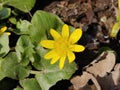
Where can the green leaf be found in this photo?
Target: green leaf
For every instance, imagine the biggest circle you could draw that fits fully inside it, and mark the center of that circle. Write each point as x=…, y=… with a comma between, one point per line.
x=24, y=50
x=23, y=5
x=22, y=72
x=18, y=88
x=4, y=44
x=37, y=63
x=1, y=72
x=13, y=20
x=51, y=74
x=9, y=67
x=30, y=84
x=4, y=13
x=42, y=22
x=23, y=27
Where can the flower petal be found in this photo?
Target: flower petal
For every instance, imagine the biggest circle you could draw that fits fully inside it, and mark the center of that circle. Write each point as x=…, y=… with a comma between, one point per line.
x=77, y=48
x=62, y=62
x=54, y=34
x=65, y=31
x=3, y=29
x=50, y=54
x=47, y=44
x=75, y=36
x=54, y=59
x=71, y=56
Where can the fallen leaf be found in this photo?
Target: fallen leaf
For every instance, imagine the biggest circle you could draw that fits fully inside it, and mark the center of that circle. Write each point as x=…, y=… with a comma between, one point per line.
x=97, y=72
x=80, y=82
x=102, y=65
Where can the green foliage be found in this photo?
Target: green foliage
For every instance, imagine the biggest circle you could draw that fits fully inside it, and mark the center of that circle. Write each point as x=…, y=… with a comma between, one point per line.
x=23, y=5
x=23, y=27
x=10, y=67
x=51, y=74
x=30, y=84
x=13, y=20
x=42, y=22
x=27, y=57
x=4, y=13
x=24, y=50
x=4, y=45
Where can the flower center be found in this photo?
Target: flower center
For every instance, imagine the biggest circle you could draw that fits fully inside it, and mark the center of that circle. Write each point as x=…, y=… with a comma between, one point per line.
x=61, y=46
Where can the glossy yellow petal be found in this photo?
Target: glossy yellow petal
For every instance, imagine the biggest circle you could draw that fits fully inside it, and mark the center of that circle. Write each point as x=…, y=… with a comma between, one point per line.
x=54, y=59
x=75, y=36
x=77, y=48
x=3, y=29
x=62, y=62
x=63, y=45
x=8, y=33
x=54, y=34
x=50, y=54
x=47, y=44
x=71, y=56
x=65, y=31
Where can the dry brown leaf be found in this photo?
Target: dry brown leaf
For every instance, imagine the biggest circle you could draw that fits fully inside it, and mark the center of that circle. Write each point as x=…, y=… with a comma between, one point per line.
x=98, y=74
x=103, y=66
x=80, y=82
x=116, y=76
x=111, y=81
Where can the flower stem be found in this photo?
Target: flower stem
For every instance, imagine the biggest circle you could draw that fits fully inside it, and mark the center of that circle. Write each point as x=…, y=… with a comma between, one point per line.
x=34, y=72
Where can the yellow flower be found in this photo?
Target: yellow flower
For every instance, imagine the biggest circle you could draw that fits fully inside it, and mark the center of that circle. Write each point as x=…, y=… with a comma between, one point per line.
x=63, y=45
x=3, y=29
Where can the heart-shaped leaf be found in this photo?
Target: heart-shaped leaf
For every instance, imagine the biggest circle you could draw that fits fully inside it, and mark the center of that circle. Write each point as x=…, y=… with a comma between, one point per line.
x=42, y=22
